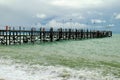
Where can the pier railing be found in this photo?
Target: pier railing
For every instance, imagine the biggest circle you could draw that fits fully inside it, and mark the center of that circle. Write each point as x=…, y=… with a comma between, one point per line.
x=11, y=36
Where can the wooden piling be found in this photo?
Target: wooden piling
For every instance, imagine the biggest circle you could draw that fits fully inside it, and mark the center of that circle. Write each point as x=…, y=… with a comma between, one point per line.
x=69, y=37
x=9, y=35
x=51, y=34
x=20, y=35
x=12, y=36
x=40, y=34
x=44, y=35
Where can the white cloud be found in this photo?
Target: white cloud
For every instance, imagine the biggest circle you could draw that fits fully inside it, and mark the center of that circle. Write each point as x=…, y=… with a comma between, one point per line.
x=4, y=2
x=55, y=24
x=110, y=25
x=97, y=21
x=48, y=5
x=74, y=25
x=21, y=12
x=77, y=16
x=117, y=16
x=82, y=4
x=77, y=3
x=95, y=13
x=41, y=16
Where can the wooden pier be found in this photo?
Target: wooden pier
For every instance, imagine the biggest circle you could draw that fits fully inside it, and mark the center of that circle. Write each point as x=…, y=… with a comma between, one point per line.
x=11, y=36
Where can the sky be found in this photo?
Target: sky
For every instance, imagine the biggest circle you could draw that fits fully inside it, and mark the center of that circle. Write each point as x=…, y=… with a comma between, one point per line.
x=91, y=14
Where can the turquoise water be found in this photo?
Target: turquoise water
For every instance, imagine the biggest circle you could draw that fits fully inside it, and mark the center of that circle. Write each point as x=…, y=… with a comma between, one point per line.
x=98, y=56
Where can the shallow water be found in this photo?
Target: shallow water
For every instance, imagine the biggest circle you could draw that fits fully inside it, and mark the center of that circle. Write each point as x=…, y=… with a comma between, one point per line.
x=13, y=71
x=93, y=59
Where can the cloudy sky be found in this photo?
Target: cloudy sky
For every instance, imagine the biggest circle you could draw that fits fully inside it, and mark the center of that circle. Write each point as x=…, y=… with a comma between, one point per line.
x=97, y=14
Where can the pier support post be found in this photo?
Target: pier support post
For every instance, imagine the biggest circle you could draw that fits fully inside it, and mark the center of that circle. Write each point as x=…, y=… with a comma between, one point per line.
x=51, y=34
x=20, y=34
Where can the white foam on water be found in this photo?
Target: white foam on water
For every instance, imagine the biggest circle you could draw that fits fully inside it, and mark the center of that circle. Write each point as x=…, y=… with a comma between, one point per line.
x=9, y=70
